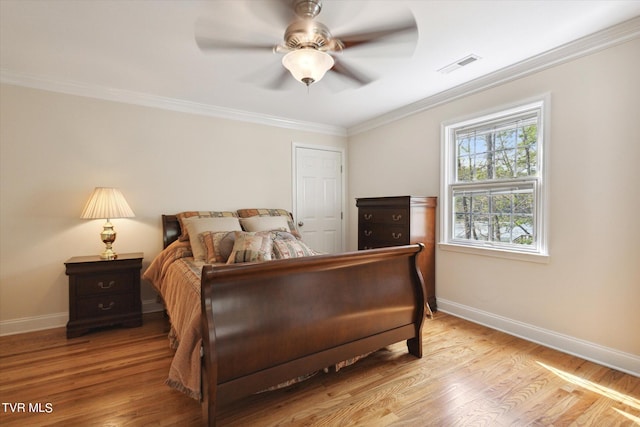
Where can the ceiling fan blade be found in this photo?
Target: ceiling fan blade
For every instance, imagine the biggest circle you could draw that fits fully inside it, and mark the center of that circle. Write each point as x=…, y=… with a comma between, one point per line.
x=351, y=73
x=279, y=82
x=207, y=44
x=278, y=12
x=407, y=28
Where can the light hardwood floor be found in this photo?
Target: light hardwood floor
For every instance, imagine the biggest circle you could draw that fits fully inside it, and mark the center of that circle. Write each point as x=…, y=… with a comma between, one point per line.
x=469, y=375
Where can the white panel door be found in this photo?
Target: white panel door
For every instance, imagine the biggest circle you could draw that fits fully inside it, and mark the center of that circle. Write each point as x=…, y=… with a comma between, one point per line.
x=318, y=195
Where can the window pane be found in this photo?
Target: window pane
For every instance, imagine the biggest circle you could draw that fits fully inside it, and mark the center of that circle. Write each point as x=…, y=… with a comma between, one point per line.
x=527, y=155
x=500, y=215
x=504, y=151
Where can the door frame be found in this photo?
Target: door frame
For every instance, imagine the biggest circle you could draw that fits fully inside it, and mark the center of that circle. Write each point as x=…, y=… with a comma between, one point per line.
x=294, y=183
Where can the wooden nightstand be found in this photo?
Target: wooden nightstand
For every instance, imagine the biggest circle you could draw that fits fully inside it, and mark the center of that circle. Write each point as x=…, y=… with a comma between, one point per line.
x=103, y=292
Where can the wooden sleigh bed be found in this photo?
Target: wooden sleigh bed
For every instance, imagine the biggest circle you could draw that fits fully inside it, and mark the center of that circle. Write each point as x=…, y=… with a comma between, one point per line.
x=262, y=324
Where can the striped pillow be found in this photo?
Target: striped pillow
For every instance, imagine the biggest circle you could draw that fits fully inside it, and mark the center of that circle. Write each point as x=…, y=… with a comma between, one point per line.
x=251, y=247
x=283, y=249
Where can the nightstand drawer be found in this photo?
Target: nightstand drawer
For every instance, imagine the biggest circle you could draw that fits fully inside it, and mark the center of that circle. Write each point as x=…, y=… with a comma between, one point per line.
x=103, y=283
x=106, y=305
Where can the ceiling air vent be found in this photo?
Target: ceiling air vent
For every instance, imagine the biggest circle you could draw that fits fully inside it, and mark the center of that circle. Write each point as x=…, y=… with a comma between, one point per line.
x=459, y=64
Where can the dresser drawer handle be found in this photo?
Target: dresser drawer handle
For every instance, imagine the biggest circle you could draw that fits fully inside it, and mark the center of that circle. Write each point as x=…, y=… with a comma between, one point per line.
x=396, y=235
x=101, y=285
x=396, y=217
x=368, y=233
x=368, y=216
x=367, y=247
x=109, y=307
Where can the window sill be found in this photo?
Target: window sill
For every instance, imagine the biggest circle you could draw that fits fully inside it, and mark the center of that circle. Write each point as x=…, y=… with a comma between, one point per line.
x=496, y=253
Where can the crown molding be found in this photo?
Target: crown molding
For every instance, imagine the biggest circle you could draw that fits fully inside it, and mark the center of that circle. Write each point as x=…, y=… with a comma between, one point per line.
x=584, y=46
x=154, y=101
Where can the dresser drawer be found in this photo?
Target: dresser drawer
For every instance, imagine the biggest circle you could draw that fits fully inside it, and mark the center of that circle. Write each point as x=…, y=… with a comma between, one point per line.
x=105, y=305
x=396, y=216
x=379, y=235
x=96, y=284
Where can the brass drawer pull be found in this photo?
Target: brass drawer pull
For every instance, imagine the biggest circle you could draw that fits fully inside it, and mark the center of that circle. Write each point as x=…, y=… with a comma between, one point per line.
x=396, y=235
x=103, y=308
x=101, y=285
x=368, y=216
x=368, y=233
x=396, y=217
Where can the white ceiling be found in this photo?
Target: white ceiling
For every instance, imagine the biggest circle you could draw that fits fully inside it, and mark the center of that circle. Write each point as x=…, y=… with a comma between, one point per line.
x=145, y=51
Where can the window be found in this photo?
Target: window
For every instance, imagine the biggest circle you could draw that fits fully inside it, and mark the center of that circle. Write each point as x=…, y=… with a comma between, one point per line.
x=493, y=186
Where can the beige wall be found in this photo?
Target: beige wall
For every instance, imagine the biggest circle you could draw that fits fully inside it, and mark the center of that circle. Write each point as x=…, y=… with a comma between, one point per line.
x=588, y=293
x=56, y=148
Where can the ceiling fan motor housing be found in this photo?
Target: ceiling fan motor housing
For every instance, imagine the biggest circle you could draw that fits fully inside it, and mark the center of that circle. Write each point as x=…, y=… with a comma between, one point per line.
x=307, y=9
x=308, y=34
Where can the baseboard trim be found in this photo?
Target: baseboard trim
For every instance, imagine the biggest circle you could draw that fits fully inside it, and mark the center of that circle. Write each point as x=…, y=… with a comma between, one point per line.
x=55, y=320
x=34, y=323
x=621, y=361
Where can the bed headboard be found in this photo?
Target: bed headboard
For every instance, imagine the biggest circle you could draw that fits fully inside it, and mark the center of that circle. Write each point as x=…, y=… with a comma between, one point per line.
x=170, y=229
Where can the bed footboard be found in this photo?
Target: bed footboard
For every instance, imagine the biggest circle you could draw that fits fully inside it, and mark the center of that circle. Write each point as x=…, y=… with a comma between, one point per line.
x=268, y=322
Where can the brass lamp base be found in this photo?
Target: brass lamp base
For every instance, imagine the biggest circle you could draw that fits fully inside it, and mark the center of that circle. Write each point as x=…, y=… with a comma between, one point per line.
x=108, y=254
x=108, y=236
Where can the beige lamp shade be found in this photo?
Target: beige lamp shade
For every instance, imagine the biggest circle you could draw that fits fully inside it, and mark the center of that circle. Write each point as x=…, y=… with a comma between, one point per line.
x=106, y=203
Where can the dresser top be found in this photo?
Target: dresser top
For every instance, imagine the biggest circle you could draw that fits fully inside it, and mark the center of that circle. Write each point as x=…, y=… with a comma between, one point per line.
x=397, y=201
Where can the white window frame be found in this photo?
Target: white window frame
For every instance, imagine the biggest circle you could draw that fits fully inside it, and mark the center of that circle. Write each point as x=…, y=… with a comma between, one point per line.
x=536, y=253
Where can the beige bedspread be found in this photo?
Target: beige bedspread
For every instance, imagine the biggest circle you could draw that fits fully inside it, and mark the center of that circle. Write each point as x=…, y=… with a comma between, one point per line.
x=176, y=277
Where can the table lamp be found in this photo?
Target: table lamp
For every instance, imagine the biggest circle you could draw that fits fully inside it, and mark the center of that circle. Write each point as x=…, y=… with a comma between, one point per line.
x=107, y=203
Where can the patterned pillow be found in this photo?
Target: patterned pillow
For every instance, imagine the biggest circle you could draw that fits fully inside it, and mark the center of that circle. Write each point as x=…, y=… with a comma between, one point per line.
x=287, y=248
x=248, y=213
x=251, y=247
x=219, y=245
x=265, y=223
x=199, y=214
x=282, y=235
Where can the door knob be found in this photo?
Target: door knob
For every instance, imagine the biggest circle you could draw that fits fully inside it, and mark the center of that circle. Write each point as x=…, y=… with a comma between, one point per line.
x=300, y=223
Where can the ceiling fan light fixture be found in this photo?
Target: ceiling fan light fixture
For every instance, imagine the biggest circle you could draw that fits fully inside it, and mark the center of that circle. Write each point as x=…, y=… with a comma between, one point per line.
x=307, y=65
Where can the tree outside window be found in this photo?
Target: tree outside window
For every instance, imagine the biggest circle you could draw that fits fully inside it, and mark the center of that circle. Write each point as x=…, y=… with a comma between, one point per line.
x=493, y=181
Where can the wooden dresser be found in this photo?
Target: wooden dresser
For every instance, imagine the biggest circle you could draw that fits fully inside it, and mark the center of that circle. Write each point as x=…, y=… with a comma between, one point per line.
x=103, y=292
x=402, y=220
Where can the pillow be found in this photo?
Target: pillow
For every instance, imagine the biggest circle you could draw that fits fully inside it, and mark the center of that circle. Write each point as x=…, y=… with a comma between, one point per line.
x=265, y=223
x=196, y=225
x=282, y=235
x=251, y=247
x=288, y=248
x=199, y=214
x=248, y=213
x=218, y=245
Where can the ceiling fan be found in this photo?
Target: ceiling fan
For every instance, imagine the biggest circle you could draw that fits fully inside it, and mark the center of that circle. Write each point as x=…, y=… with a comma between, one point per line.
x=310, y=49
